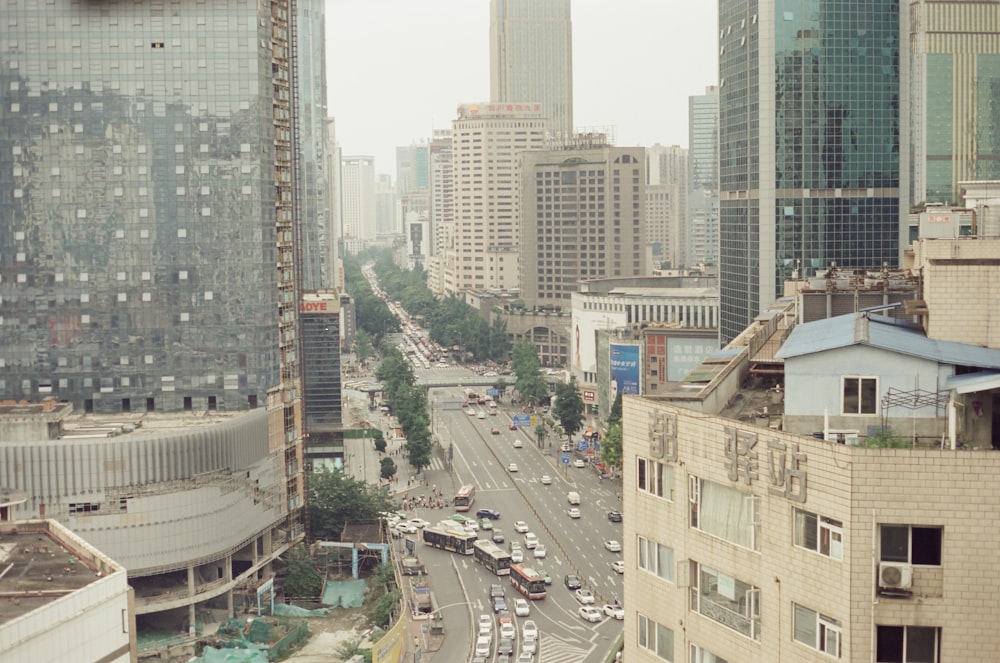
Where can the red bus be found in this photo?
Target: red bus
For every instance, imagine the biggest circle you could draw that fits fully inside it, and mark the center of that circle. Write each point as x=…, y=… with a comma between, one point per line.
x=527, y=581
x=465, y=497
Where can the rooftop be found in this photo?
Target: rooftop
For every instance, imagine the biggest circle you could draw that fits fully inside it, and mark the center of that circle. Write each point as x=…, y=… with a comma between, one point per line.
x=40, y=562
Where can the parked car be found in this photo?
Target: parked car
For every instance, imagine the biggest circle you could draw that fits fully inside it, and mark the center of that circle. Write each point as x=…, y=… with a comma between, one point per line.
x=613, y=546
x=572, y=582
x=584, y=596
x=579, y=462
x=615, y=611
x=615, y=516
x=590, y=613
x=488, y=513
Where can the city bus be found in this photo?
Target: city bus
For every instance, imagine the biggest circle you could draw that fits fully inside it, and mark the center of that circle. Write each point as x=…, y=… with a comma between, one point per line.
x=493, y=557
x=452, y=539
x=465, y=497
x=527, y=581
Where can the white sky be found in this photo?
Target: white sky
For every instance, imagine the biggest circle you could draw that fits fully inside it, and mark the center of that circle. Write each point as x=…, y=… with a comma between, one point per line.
x=397, y=69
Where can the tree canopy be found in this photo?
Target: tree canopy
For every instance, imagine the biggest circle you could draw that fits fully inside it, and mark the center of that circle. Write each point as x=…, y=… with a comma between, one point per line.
x=528, y=376
x=568, y=408
x=335, y=498
x=611, y=446
x=409, y=405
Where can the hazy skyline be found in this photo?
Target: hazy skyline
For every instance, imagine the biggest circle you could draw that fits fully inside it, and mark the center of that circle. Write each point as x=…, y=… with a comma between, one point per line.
x=397, y=69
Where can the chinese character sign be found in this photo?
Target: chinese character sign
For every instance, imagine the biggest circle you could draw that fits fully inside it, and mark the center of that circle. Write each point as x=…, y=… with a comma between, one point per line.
x=624, y=370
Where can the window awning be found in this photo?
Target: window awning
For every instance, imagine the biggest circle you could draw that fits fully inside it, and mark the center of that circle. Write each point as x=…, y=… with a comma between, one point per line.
x=971, y=382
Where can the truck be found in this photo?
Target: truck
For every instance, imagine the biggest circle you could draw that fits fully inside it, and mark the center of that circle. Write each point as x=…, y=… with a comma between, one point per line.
x=422, y=597
x=412, y=566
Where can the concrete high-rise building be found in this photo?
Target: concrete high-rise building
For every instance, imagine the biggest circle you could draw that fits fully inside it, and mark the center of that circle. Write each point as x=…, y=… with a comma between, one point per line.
x=582, y=214
x=954, y=77
x=486, y=141
x=531, y=58
x=702, y=236
x=812, y=133
x=666, y=174
x=334, y=229
x=386, y=206
x=442, y=206
x=357, y=178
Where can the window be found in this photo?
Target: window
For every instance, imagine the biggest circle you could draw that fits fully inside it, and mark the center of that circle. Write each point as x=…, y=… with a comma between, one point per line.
x=860, y=395
x=699, y=655
x=656, y=559
x=726, y=600
x=655, y=638
x=815, y=630
x=908, y=644
x=724, y=512
x=654, y=477
x=911, y=544
x=819, y=534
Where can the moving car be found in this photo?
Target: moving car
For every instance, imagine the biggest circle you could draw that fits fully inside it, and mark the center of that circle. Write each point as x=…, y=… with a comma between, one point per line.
x=573, y=512
x=545, y=576
x=521, y=608
x=471, y=412
x=613, y=546
x=504, y=618
x=483, y=645
x=530, y=540
x=419, y=523
x=615, y=516
x=539, y=551
x=512, y=427
x=520, y=526
x=496, y=590
x=488, y=513
x=498, y=535
x=485, y=523
x=499, y=603
x=507, y=630
x=588, y=612
x=494, y=431
x=512, y=467
x=565, y=448
x=546, y=480
x=584, y=596
x=572, y=582
x=618, y=565
x=518, y=444
x=506, y=647
x=579, y=462
x=481, y=415
x=485, y=625
x=529, y=631
x=516, y=554
x=405, y=528
x=525, y=657
x=615, y=611
x=529, y=647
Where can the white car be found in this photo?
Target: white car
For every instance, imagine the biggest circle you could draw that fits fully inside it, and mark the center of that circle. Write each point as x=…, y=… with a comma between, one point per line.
x=483, y=643
x=512, y=467
x=471, y=526
x=529, y=647
x=485, y=625
x=481, y=415
x=573, y=512
x=521, y=608
x=612, y=546
x=405, y=528
x=588, y=612
x=546, y=480
x=584, y=596
x=507, y=630
x=518, y=444
x=529, y=631
x=615, y=611
x=520, y=526
x=539, y=551
x=530, y=540
x=618, y=565
x=470, y=412
x=517, y=556
x=579, y=462
x=419, y=523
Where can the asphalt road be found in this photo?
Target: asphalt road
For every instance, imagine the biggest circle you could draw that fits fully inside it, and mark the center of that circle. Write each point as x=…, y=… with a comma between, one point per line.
x=573, y=545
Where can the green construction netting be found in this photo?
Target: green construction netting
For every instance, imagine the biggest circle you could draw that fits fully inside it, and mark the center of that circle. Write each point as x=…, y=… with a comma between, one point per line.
x=345, y=593
x=212, y=655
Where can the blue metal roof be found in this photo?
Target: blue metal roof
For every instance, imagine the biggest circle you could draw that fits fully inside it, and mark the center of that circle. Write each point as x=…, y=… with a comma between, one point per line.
x=879, y=332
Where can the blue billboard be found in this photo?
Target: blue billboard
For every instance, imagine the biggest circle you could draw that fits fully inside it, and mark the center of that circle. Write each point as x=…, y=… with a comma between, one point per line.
x=624, y=370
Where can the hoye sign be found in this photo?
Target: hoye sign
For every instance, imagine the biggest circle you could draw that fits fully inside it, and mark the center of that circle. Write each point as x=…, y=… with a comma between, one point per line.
x=314, y=306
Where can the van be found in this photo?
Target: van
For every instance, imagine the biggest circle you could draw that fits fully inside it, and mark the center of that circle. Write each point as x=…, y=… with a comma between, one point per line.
x=573, y=497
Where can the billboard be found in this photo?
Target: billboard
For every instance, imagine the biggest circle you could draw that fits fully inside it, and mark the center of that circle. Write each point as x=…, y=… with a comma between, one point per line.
x=686, y=354
x=624, y=369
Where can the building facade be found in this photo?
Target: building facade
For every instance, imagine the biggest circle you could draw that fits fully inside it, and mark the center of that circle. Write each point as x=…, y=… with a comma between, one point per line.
x=955, y=70
x=702, y=222
x=531, y=58
x=357, y=200
x=811, y=142
x=582, y=218
x=482, y=252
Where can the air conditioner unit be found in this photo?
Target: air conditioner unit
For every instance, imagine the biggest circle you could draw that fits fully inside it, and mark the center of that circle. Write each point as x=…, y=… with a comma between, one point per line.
x=895, y=575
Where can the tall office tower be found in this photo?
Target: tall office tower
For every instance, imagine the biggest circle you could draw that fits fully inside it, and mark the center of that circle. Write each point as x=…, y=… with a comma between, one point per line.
x=701, y=247
x=310, y=178
x=659, y=202
x=954, y=78
x=582, y=213
x=334, y=230
x=442, y=212
x=386, y=209
x=531, y=58
x=667, y=171
x=147, y=197
x=321, y=378
x=486, y=141
x=810, y=134
x=413, y=164
x=357, y=202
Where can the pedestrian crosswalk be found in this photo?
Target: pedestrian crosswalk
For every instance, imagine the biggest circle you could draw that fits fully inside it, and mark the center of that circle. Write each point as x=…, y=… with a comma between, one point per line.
x=436, y=464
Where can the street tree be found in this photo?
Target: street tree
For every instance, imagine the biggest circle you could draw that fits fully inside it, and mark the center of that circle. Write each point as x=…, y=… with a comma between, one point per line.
x=611, y=447
x=387, y=468
x=528, y=377
x=615, y=416
x=335, y=498
x=568, y=409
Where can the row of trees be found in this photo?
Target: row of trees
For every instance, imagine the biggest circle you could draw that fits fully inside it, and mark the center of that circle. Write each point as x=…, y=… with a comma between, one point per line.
x=409, y=405
x=450, y=321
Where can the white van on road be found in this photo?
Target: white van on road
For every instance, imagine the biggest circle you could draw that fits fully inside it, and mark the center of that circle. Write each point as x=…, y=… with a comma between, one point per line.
x=573, y=497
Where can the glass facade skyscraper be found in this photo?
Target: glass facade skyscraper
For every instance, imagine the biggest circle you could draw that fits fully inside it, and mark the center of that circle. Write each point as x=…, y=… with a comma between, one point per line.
x=137, y=196
x=810, y=129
